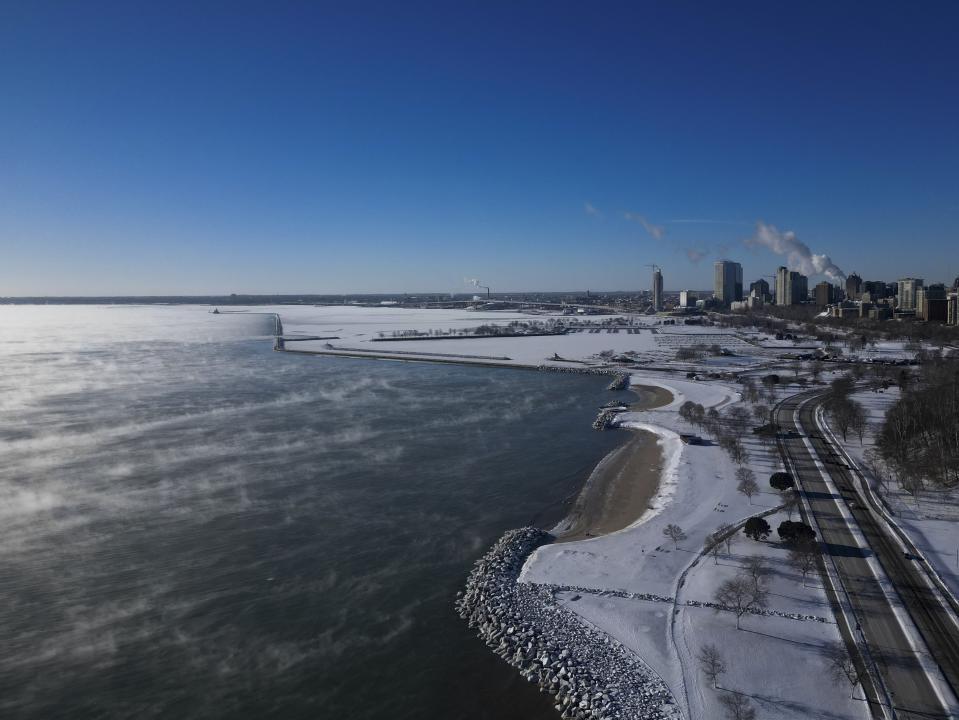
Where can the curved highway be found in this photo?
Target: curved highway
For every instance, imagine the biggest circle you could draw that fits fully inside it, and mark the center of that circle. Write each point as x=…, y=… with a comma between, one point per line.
x=851, y=535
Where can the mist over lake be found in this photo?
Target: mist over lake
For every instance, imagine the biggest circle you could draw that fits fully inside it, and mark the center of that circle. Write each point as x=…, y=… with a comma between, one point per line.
x=192, y=525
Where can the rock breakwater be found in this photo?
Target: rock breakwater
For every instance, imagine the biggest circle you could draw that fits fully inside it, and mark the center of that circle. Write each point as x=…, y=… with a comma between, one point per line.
x=589, y=674
x=620, y=382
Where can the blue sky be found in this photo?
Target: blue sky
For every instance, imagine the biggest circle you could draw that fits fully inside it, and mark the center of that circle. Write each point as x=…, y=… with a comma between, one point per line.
x=345, y=147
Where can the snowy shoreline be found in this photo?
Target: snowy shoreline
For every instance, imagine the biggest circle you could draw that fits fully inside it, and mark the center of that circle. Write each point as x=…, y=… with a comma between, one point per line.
x=589, y=674
x=628, y=598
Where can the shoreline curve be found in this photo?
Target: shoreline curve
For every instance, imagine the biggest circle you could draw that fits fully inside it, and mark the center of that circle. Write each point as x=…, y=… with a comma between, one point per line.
x=619, y=490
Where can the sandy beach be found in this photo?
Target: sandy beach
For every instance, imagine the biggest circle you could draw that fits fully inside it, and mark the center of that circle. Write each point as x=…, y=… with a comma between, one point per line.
x=622, y=485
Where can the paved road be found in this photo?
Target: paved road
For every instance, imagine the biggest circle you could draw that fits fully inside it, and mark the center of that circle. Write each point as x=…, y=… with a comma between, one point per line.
x=897, y=662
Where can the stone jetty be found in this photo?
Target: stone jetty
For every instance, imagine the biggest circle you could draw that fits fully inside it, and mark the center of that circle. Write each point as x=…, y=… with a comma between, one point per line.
x=620, y=382
x=589, y=674
x=606, y=419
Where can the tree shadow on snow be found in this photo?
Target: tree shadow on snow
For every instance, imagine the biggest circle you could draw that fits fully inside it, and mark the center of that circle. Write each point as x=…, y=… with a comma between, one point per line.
x=801, y=709
x=806, y=601
x=802, y=643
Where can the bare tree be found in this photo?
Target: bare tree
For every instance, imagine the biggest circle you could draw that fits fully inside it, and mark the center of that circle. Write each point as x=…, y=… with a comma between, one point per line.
x=741, y=595
x=841, y=666
x=737, y=707
x=713, y=545
x=791, y=501
x=711, y=422
x=760, y=413
x=738, y=420
x=859, y=424
x=803, y=557
x=711, y=661
x=755, y=566
x=816, y=370
x=674, y=533
x=728, y=535
x=873, y=462
x=840, y=412
x=745, y=473
x=738, y=453
x=747, y=484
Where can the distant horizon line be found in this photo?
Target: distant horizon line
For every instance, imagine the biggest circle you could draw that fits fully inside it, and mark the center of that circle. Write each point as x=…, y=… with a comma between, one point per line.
x=228, y=296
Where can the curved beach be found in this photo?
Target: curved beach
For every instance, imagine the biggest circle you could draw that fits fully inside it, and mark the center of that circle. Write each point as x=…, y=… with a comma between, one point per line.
x=621, y=486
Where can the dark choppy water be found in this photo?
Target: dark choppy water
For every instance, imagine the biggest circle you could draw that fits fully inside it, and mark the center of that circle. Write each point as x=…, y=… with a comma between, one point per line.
x=193, y=526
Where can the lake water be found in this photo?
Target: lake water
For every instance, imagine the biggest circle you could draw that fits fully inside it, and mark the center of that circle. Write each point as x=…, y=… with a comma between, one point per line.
x=194, y=526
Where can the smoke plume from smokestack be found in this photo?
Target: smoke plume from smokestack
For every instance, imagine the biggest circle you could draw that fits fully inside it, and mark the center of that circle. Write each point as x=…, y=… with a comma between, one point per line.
x=799, y=256
x=476, y=283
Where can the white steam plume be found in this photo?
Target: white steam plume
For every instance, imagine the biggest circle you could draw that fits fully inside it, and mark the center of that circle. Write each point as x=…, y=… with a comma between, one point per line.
x=799, y=256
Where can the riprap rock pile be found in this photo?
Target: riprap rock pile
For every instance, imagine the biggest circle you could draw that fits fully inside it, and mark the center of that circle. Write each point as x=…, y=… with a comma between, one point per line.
x=589, y=674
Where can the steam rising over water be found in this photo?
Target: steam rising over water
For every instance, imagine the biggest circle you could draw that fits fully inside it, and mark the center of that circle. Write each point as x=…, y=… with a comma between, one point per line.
x=194, y=526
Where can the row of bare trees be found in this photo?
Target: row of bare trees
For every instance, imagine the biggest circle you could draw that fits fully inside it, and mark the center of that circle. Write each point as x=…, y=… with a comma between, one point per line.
x=727, y=430
x=845, y=413
x=746, y=593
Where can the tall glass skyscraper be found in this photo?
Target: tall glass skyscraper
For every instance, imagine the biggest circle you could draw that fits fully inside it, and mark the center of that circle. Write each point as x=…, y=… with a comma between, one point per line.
x=728, y=281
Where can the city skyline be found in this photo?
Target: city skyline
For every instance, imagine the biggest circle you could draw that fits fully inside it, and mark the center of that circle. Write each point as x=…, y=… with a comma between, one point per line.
x=319, y=149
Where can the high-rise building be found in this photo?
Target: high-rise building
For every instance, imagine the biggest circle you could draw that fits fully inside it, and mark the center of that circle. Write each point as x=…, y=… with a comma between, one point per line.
x=932, y=304
x=657, y=289
x=759, y=289
x=782, y=285
x=687, y=299
x=727, y=281
x=875, y=288
x=825, y=294
x=799, y=285
x=907, y=292
x=952, y=308
x=792, y=287
x=853, y=287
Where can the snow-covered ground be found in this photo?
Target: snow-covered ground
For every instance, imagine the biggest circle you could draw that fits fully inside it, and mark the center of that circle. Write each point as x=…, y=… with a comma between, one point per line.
x=361, y=329
x=932, y=523
x=698, y=493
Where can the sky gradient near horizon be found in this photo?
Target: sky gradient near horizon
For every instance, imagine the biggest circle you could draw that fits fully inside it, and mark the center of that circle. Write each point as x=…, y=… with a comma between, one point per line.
x=182, y=148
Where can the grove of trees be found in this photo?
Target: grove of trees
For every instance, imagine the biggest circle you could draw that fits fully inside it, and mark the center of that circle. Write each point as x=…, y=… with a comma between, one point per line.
x=919, y=437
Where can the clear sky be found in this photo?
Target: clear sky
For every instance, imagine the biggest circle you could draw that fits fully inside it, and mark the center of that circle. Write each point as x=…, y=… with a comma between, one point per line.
x=400, y=146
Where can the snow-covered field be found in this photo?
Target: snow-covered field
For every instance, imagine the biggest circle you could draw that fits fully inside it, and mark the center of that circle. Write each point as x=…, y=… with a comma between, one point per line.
x=698, y=493
x=360, y=329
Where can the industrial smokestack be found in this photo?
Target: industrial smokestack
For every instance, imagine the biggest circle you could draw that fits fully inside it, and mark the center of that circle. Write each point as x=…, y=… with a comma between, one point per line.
x=476, y=283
